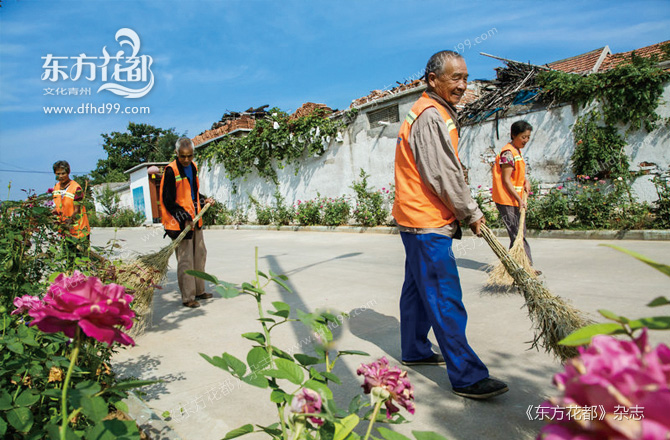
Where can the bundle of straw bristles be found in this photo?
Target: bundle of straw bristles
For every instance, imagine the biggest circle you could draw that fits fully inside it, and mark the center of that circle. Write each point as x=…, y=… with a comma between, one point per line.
x=552, y=317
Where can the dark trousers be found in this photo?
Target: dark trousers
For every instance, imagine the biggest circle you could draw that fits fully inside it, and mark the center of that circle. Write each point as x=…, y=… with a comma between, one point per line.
x=432, y=297
x=510, y=216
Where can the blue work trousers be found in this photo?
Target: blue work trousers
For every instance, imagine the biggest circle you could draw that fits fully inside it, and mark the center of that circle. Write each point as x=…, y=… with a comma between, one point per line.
x=432, y=297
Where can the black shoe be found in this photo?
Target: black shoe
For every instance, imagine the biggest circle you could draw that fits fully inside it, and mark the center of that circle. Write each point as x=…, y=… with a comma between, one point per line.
x=483, y=389
x=191, y=304
x=204, y=296
x=435, y=359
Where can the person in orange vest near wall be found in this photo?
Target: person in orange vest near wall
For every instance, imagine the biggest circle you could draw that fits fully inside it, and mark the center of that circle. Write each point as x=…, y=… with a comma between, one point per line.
x=68, y=199
x=509, y=183
x=180, y=203
x=432, y=197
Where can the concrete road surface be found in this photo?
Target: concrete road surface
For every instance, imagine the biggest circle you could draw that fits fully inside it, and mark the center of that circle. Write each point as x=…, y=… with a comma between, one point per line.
x=362, y=274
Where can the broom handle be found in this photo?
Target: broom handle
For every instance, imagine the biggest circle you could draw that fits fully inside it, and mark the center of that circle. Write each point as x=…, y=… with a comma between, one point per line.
x=188, y=227
x=522, y=219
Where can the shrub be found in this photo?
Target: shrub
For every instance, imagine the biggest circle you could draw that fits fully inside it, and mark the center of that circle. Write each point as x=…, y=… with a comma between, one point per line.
x=335, y=211
x=483, y=199
x=662, y=209
x=309, y=212
x=369, y=210
x=548, y=212
x=282, y=214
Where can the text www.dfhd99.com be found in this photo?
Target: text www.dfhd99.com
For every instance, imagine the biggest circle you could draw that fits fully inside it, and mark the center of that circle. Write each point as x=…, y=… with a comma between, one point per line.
x=91, y=109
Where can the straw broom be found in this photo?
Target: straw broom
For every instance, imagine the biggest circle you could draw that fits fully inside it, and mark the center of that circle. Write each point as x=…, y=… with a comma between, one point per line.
x=499, y=278
x=552, y=317
x=145, y=273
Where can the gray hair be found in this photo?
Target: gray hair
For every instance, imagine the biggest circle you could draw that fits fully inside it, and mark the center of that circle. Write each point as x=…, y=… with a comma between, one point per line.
x=437, y=63
x=183, y=142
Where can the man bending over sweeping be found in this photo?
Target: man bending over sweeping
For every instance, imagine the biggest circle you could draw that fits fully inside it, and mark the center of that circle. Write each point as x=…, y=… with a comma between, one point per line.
x=180, y=203
x=432, y=196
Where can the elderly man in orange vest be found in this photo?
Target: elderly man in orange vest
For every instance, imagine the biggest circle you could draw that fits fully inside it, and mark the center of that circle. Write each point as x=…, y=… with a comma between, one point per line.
x=180, y=203
x=432, y=197
x=69, y=202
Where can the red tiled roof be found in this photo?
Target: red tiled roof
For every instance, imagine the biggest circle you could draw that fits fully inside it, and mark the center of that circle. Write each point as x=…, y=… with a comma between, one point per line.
x=613, y=60
x=377, y=94
x=247, y=122
x=308, y=108
x=244, y=121
x=584, y=63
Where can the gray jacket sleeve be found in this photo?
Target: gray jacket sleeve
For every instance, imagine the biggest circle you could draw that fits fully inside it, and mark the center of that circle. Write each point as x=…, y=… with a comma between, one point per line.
x=439, y=166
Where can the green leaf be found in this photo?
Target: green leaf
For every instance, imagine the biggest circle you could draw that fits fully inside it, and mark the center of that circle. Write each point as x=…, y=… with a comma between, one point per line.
x=306, y=360
x=281, y=353
x=663, y=268
x=3, y=426
x=258, y=359
x=279, y=305
x=5, y=401
x=262, y=274
x=16, y=347
x=272, y=430
x=113, y=429
x=584, y=335
x=279, y=396
x=357, y=403
x=94, y=408
x=256, y=379
x=331, y=377
x=238, y=367
x=20, y=418
x=242, y=430
x=250, y=288
x=122, y=406
x=612, y=316
x=319, y=387
x=27, y=398
x=390, y=435
x=345, y=426
x=130, y=384
x=313, y=374
x=660, y=301
x=282, y=284
x=88, y=387
x=352, y=352
x=266, y=320
x=427, y=435
x=653, y=323
x=255, y=336
x=216, y=361
x=205, y=276
x=294, y=372
x=227, y=291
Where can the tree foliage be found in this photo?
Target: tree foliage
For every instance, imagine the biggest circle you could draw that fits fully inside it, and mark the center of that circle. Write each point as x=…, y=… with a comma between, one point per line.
x=140, y=143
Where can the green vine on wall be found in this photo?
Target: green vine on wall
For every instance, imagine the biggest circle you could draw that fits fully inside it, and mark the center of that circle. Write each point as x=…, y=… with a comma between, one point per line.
x=275, y=141
x=629, y=93
x=599, y=150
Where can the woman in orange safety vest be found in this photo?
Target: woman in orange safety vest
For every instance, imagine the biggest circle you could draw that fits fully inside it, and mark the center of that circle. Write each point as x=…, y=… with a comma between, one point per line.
x=509, y=181
x=68, y=202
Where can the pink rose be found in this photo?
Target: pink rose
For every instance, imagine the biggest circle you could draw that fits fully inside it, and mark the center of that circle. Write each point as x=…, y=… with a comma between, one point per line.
x=627, y=380
x=87, y=303
x=559, y=187
x=50, y=191
x=392, y=380
x=307, y=401
x=25, y=303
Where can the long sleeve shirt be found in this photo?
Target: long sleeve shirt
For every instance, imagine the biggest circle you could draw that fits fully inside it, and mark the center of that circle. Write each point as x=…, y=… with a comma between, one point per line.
x=440, y=169
x=170, y=200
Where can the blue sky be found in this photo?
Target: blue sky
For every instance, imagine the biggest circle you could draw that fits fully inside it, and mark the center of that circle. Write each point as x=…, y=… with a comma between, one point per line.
x=210, y=57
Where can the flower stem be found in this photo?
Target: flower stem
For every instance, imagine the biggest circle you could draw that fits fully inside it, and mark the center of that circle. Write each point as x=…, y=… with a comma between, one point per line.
x=66, y=384
x=373, y=418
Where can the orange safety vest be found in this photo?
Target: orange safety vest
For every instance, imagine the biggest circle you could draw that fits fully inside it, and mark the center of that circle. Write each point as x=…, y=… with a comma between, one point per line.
x=500, y=194
x=183, y=199
x=415, y=205
x=64, y=204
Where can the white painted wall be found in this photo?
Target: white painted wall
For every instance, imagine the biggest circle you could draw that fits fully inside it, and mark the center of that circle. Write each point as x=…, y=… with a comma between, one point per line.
x=140, y=179
x=547, y=154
